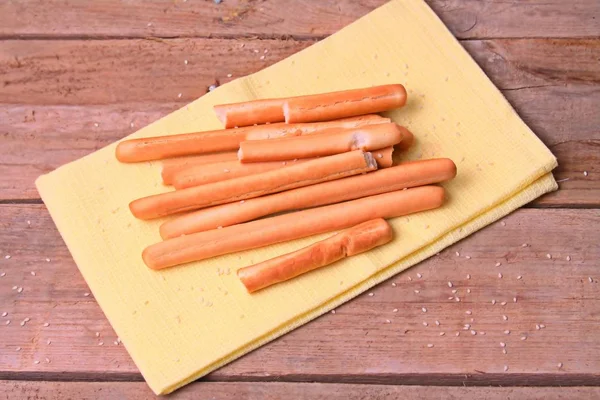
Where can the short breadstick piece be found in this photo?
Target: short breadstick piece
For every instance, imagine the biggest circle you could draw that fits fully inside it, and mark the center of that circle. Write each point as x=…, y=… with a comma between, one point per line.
x=173, y=166
x=160, y=147
x=406, y=175
x=304, y=174
x=366, y=138
x=250, y=112
x=281, y=228
x=358, y=239
x=330, y=106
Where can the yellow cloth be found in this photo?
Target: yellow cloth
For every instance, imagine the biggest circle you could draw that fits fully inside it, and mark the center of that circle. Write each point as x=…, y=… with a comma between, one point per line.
x=181, y=323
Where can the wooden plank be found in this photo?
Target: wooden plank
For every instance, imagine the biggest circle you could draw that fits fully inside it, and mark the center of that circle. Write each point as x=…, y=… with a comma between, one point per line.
x=51, y=100
x=280, y=390
x=277, y=18
x=356, y=344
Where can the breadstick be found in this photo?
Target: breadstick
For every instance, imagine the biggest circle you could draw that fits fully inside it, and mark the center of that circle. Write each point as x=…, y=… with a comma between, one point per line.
x=305, y=174
x=281, y=228
x=335, y=141
x=160, y=147
x=330, y=106
x=250, y=112
x=203, y=174
x=358, y=239
x=174, y=166
x=407, y=175
x=384, y=157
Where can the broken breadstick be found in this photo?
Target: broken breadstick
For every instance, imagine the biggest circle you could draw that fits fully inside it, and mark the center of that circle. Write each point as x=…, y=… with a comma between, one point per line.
x=160, y=147
x=174, y=166
x=281, y=228
x=330, y=106
x=305, y=174
x=335, y=141
x=358, y=239
x=250, y=112
x=407, y=175
x=208, y=173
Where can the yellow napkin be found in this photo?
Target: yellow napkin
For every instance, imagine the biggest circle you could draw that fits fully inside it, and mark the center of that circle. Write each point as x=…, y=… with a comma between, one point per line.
x=181, y=323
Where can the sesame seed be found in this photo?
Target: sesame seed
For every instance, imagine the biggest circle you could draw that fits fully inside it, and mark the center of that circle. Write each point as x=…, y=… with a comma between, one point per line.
x=393, y=284
x=7, y=257
x=46, y=324
x=523, y=337
x=503, y=223
x=498, y=264
x=36, y=362
x=131, y=125
x=23, y=323
x=454, y=291
x=262, y=57
x=32, y=273
x=419, y=276
x=47, y=360
x=116, y=343
x=537, y=326
x=3, y=274
x=48, y=342
x=451, y=298
x=468, y=312
x=504, y=351
x=505, y=368
x=568, y=258
x=450, y=284
x=457, y=298
x=473, y=332
x=86, y=294
x=519, y=277
x=437, y=322
x=424, y=309
x=18, y=349
x=502, y=344
x=504, y=317
x=96, y=124
x=457, y=254
x=20, y=289
x=542, y=326
x=395, y=310
x=457, y=334
x=15, y=287
x=185, y=62
x=97, y=334
x=493, y=301
x=7, y=322
x=500, y=275
x=442, y=333
x=430, y=345
x=425, y=324
x=548, y=256
x=4, y=314
x=590, y=279
x=387, y=321
x=225, y=170
x=100, y=343
x=371, y=294
x=179, y=95
x=149, y=24
x=481, y=332
x=467, y=327
x=468, y=276
x=333, y=311
x=468, y=290
x=27, y=319
x=468, y=257
x=229, y=75
x=47, y=260
x=524, y=245
x=417, y=291
x=409, y=278
x=212, y=87
x=585, y=173
x=503, y=303
x=559, y=365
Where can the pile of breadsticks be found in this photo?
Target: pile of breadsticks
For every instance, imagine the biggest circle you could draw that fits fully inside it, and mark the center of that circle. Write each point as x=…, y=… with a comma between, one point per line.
x=322, y=163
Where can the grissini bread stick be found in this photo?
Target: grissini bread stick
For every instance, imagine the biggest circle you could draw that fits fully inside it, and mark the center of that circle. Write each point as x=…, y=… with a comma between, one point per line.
x=250, y=112
x=203, y=174
x=305, y=174
x=208, y=173
x=160, y=147
x=408, y=175
x=358, y=239
x=335, y=141
x=330, y=106
x=173, y=166
x=407, y=140
x=281, y=228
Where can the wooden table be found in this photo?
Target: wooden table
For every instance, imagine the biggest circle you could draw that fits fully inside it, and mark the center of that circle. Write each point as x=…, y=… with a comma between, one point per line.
x=77, y=75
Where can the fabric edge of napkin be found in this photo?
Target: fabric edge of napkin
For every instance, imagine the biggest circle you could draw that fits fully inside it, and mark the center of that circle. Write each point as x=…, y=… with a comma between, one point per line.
x=543, y=185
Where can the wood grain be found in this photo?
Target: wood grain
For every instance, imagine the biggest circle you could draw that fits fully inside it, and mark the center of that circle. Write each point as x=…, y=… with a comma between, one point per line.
x=281, y=390
x=55, y=92
x=356, y=344
x=277, y=18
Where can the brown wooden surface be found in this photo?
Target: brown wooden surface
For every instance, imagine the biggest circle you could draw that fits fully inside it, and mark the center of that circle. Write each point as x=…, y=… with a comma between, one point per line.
x=276, y=391
x=355, y=344
x=78, y=75
x=56, y=91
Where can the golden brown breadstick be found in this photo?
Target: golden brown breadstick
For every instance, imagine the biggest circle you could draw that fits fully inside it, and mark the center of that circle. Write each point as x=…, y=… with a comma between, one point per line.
x=281, y=228
x=330, y=106
x=160, y=147
x=250, y=112
x=358, y=239
x=173, y=166
x=305, y=174
x=366, y=138
x=384, y=157
x=203, y=174
x=407, y=175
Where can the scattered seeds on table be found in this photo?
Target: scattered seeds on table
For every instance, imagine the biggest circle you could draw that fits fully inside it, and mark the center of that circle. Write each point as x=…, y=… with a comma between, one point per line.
x=229, y=75
x=100, y=343
x=537, y=326
x=590, y=279
x=395, y=310
x=437, y=322
x=507, y=332
x=514, y=299
x=468, y=290
x=500, y=275
x=86, y=294
x=46, y=324
x=504, y=317
x=559, y=365
x=493, y=301
x=47, y=360
x=36, y=362
x=468, y=276
x=473, y=332
x=20, y=290
x=18, y=349
x=523, y=337
x=32, y=273
x=585, y=173
x=424, y=309
x=524, y=245
x=7, y=256
x=425, y=323
x=505, y=368
x=503, y=303
x=502, y=344
x=457, y=298
x=520, y=277
x=457, y=334
x=542, y=326
x=393, y=284
x=97, y=334
x=568, y=258
x=481, y=332
x=417, y=291
x=454, y=291
x=419, y=276
x=2, y=274
x=457, y=254
x=504, y=351
x=371, y=294
x=4, y=314
x=333, y=311
x=7, y=322
x=498, y=264
x=442, y=333
x=549, y=256
x=450, y=284
x=387, y=321
x=468, y=312
x=430, y=345
x=409, y=278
